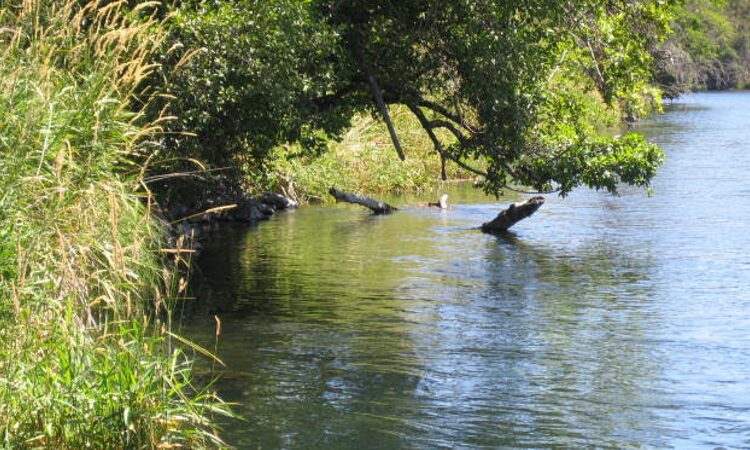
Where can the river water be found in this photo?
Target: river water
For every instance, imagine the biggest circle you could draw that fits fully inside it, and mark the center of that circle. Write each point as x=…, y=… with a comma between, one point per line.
x=601, y=321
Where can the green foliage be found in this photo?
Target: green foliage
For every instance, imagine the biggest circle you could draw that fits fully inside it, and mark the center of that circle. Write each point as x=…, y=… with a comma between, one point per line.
x=709, y=49
x=499, y=78
x=84, y=360
x=256, y=75
x=363, y=161
x=599, y=163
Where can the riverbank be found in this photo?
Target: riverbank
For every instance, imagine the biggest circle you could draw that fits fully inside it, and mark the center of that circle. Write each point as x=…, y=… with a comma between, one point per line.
x=88, y=357
x=364, y=161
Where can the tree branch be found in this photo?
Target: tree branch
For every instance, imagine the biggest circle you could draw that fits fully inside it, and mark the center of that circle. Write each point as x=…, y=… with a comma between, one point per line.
x=428, y=126
x=447, y=114
x=452, y=128
x=435, y=141
x=377, y=94
x=375, y=206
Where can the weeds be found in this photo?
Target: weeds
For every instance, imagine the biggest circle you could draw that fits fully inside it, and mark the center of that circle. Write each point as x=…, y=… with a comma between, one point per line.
x=85, y=356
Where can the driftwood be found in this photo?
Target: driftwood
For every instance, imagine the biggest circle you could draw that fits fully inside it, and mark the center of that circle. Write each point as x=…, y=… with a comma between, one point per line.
x=374, y=205
x=513, y=214
x=442, y=202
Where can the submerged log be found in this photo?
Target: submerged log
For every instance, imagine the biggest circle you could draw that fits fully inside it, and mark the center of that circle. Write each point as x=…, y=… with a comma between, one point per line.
x=513, y=214
x=442, y=202
x=374, y=205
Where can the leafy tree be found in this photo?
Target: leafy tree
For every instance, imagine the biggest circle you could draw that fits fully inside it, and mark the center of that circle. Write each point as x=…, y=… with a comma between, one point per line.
x=257, y=76
x=508, y=84
x=709, y=48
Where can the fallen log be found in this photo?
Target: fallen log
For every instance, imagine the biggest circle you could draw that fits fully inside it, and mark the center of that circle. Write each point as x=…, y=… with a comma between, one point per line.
x=513, y=214
x=374, y=205
x=442, y=202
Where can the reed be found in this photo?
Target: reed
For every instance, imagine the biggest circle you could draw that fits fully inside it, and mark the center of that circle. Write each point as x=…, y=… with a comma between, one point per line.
x=86, y=352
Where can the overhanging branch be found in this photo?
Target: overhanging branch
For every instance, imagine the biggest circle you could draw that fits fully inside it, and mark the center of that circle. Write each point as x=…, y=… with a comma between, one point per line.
x=435, y=141
x=443, y=111
x=428, y=127
x=452, y=128
x=377, y=94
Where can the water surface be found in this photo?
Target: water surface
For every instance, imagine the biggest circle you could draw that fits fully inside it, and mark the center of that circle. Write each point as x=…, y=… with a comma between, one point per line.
x=601, y=321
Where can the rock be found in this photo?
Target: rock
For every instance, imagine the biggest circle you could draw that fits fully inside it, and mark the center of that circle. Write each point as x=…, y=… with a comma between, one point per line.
x=195, y=221
x=265, y=209
x=277, y=201
x=251, y=210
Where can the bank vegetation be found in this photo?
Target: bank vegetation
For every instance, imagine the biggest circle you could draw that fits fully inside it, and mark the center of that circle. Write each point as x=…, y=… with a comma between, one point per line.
x=116, y=114
x=88, y=358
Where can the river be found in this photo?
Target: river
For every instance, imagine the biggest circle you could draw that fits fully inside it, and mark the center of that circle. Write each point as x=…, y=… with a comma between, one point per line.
x=605, y=321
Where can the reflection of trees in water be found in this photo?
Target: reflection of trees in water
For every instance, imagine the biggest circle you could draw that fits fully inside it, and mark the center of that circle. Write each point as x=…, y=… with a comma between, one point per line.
x=356, y=329
x=321, y=263
x=314, y=327
x=583, y=316
x=534, y=345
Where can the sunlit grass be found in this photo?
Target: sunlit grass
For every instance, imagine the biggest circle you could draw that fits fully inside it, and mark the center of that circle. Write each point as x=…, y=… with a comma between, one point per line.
x=365, y=161
x=86, y=359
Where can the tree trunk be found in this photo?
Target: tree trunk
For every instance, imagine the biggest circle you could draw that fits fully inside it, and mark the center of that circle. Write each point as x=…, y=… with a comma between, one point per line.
x=515, y=213
x=374, y=205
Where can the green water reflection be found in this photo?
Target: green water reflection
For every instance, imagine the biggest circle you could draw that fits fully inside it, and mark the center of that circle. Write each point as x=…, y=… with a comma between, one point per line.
x=602, y=321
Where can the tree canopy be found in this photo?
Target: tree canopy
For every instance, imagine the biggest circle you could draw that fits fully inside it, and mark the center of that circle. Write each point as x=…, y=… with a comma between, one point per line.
x=709, y=48
x=508, y=90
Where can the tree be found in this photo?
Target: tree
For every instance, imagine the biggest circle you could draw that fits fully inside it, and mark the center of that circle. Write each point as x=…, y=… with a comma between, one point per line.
x=709, y=49
x=514, y=85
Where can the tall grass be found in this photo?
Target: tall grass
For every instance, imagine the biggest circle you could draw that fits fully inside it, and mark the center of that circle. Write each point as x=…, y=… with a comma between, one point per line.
x=86, y=358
